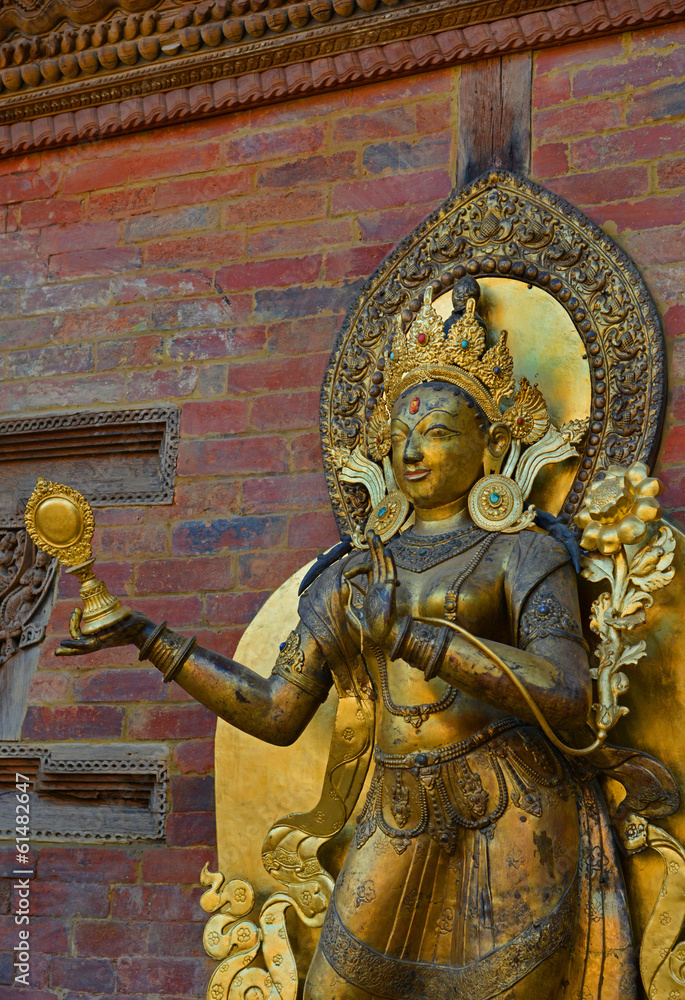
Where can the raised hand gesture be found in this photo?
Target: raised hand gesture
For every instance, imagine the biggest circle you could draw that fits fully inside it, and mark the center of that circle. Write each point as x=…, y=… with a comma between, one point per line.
x=379, y=610
x=123, y=633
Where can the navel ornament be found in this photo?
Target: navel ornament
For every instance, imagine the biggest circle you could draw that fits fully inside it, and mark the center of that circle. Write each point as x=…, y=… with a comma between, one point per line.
x=60, y=521
x=388, y=516
x=496, y=504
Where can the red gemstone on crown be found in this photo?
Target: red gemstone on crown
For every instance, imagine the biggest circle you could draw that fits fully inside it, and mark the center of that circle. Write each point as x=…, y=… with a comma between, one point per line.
x=520, y=421
x=421, y=338
x=414, y=405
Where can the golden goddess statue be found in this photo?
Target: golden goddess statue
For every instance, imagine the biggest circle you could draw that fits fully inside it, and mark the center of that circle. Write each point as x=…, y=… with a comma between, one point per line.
x=482, y=864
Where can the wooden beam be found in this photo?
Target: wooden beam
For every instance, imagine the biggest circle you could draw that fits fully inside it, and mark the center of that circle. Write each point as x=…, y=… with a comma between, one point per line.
x=494, y=116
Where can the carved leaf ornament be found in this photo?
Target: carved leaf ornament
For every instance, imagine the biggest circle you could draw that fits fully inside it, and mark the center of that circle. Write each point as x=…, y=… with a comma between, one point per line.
x=503, y=225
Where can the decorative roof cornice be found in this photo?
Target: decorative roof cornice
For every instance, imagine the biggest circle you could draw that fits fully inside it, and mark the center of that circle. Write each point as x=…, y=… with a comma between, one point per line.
x=145, y=69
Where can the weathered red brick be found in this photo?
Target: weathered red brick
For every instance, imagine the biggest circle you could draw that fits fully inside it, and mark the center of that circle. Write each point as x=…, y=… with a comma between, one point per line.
x=277, y=374
x=93, y=263
x=22, y=273
x=121, y=542
x=374, y=125
x=72, y=722
x=69, y=899
x=232, y=456
x=671, y=173
x=674, y=444
x=19, y=246
x=259, y=570
x=190, y=249
x=67, y=359
x=285, y=493
x=233, y=342
x=308, y=171
x=220, y=417
x=394, y=223
x=178, y=976
x=20, y=164
x=299, y=238
x=29, y=186
x=53, y=393
x=355, y=261
x=588, y=118
x=68, y=297
x=163, y=285
x=84, y=236
x=674, y=321
x=187, y=219
x=275, y=207
x=227, y=184
x=53, y=212
x=122, y=203
x=191, y=830
x=169, y=576
x=25, y=333
x=601, y=185
x=387, y=192
x=180, y=611
x=49, y=687
x=635, y=71
x=233, y=609
x=285, y=411
x=48, y=935
x=162, y=383
x=274, y=142
x=628, y=145
x=194, y=756
x=657, y=246
x=120, y=686
x=203, y=499
x=222, y=641
x=175, y=867
x=551, y=88
x=95, y=975
x=12, y=398
x=645, y=213
x=170, y=722
x=550, y=159
x=272, y=273
x=304, y=336
x=230, y=534
x=306, y=452
x=133, y=352
x=87, y=864
x=109, y=938
x=311, y=531
x=180, y=938
x=579, y=53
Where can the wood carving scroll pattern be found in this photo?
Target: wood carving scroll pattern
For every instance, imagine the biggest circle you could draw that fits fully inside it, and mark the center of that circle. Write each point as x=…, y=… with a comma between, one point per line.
x=503, y=224
x=326, y=59
x=26, y=576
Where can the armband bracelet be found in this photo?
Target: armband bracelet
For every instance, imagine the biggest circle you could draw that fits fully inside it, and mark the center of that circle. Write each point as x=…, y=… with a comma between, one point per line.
x=424, y=647
x=167, y=650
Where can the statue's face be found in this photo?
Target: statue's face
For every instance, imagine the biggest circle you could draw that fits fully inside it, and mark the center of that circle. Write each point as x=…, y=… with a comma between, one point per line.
x=437, y=445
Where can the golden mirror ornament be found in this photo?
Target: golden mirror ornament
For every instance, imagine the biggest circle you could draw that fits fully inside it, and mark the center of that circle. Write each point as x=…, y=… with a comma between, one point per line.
x=60, y=521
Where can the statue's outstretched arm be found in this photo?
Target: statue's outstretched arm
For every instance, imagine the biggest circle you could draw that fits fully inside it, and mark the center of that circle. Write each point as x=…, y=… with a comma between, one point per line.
x=275, y=709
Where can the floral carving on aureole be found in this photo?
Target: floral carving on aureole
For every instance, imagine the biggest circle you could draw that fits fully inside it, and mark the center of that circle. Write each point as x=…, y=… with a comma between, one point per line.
x=504, y=225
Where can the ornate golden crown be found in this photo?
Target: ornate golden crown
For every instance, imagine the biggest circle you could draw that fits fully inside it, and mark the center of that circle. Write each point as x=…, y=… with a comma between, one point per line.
x=425, y=353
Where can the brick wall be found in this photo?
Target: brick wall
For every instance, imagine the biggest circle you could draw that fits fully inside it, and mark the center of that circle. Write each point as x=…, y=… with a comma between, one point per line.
x=609, y=135
x=210, y=265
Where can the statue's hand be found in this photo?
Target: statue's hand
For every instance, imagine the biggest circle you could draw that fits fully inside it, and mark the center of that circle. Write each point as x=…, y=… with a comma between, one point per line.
x=122, y=633
x=379, y=610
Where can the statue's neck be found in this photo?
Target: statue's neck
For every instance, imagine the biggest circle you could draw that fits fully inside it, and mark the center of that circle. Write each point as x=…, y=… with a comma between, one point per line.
x=438, y=520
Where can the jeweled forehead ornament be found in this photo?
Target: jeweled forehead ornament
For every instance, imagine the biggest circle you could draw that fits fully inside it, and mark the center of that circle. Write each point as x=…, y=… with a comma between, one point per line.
x=425, y=353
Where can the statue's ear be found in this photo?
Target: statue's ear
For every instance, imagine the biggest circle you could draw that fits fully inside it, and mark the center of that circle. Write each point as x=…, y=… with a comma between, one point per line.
x=499, y=439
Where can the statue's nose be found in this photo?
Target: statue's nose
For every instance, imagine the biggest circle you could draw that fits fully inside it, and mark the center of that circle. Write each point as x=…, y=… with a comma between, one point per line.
x=412, y=450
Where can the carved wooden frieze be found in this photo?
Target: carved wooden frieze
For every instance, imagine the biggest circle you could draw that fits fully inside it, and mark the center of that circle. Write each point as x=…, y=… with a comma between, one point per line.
x=26, y=578
x=72, y=71
x=87, y=792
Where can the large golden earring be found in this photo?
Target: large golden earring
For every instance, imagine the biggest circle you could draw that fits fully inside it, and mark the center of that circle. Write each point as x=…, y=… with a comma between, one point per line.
x=388, y=516
x=496, y=503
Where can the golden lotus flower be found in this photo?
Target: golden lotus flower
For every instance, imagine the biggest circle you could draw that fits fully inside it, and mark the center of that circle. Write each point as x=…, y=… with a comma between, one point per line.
x=618, y=508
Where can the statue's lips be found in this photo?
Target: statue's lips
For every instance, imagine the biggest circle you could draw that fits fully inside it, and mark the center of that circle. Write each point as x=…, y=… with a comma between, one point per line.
x=417, y=474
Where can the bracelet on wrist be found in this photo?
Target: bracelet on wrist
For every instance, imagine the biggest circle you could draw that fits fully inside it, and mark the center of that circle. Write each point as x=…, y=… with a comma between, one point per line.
x=167, y=650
